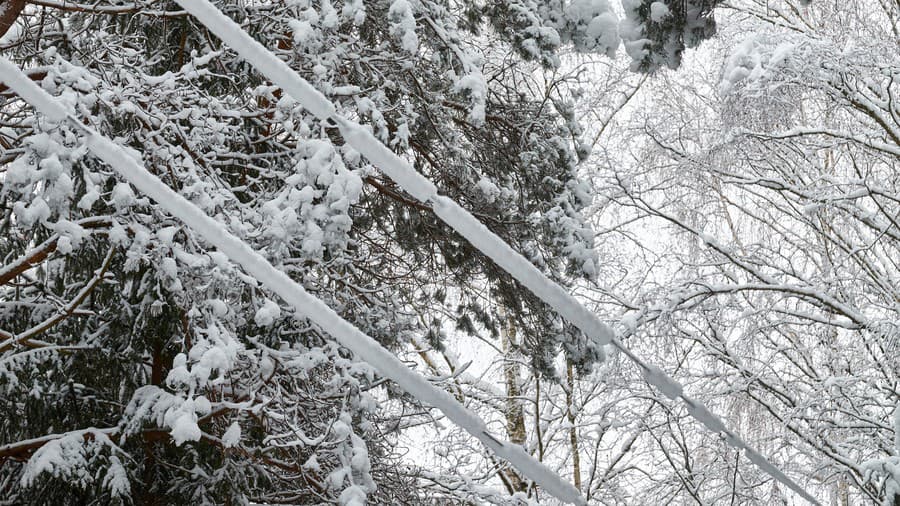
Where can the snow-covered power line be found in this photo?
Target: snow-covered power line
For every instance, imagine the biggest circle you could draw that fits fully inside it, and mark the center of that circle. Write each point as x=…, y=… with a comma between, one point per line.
x=462, y=221
x=293, y=293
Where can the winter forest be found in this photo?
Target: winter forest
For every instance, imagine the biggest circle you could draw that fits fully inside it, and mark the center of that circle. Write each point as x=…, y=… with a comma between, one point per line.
x=450, y=252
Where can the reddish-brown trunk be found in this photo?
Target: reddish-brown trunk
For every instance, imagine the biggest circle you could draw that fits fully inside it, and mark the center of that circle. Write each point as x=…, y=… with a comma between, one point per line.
x=9, y=12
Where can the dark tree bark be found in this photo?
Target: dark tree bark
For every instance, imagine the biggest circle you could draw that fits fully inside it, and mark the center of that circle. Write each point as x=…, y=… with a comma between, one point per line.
x=9, y=11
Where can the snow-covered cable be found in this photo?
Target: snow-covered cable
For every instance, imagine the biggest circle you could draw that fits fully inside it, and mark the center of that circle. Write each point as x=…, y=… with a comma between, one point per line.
x=293, y=293
x=257, y=55
x=463, y=222
x=30, y=92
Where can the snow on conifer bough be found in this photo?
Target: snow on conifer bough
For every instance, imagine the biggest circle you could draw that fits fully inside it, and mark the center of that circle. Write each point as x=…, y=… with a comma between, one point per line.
x=308, y=305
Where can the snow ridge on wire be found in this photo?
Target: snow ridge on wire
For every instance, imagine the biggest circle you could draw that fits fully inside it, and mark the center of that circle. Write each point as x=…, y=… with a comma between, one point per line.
x=293, y=293
x=463, y=222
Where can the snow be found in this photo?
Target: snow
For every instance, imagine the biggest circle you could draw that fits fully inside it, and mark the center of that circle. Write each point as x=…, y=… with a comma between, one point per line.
x=781, y=52
x=312, y=464
x=753, y=59
x=116, y=479
x=56, y=456
x=353, y=495
x=356, y=10
x=604, y=31
x=218, y=307
x=590, y=25
x=490, y=190
x=184, y=427
x=90, y=197
x=36, y=212
x=64, y=245
x=704, y=416
x=51, y=168
x=658, y=11
x=302, y=31
x=267, y=314
x=123, y=196
x=474, y=85
x=266, y=367
x=169, y=268
x=403, y=25
x=583, y=10
x=340, y=430
x=232, y=436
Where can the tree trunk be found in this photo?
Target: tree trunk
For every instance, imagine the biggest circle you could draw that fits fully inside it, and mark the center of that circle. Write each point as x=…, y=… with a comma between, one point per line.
x=9, y=12
x=515, y=414
x=573, y=430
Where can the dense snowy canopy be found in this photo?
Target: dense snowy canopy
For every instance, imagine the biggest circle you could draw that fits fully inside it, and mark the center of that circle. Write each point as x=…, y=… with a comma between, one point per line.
x=167, y=337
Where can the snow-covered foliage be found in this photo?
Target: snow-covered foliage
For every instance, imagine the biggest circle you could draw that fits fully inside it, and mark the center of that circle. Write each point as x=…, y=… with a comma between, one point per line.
x=75, y=458
x=656, y=33
x=750, y=200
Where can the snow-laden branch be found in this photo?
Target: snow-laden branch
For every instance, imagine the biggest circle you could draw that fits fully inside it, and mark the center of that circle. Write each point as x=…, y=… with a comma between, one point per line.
x=132, y=8
x=27, y=446
x=469, y=227
x=27, y=338
x=40, y=252
x=293, y=293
